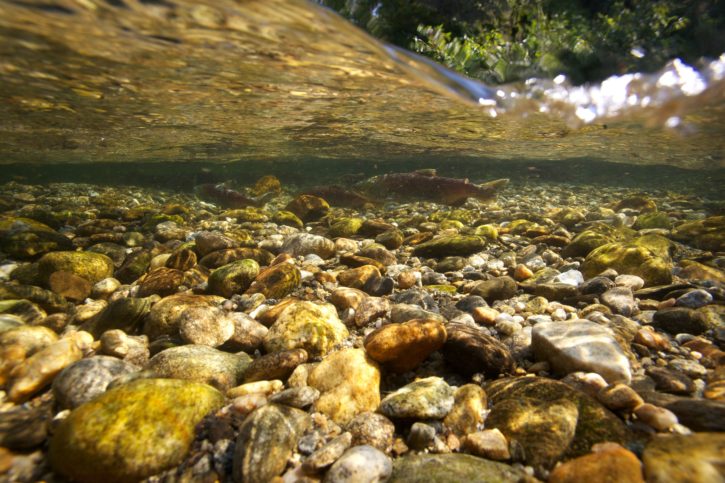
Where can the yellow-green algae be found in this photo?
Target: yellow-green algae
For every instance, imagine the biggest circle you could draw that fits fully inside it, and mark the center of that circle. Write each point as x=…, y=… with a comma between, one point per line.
x=131, y=432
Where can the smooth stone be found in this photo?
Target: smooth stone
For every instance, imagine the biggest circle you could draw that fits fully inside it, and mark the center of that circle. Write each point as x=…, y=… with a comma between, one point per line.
x=266, y=440
x=93, y=267
x=500, y=288
x=660, y=419
x=83, y=380
x=402, y=312
x=301, y=244
x=470, y=350
x=39, y=370
x=276, y=281
x=184, y=259
x=164, y=317
x=670, y=381
x=132, y=349
x=580, y=346
x=206, y=242
x=201, y=363
x=328, y=454
x=126, y=314
x=306, y=325
x=208, y=326
x=452, y=468
x=95, y=442
x=490, y=444
x=161, y=281
x=372, y=429
x=677, y=320
x=611, y=462
x=358, y=277
x=223, y=257
x=69, y=285
x=429, y=398
x=360, y=464
x=620, y=300
x=248, y=334
x=421, y=436
x=19, y=343
x=444, y=246
x=696, y=414
x=370, y=310
x=277, y=365
x=349, y=383
x=619, y=397
x=233, y=278
x=296, y=397
x=696, y=458
x=570, y=277
x=648, y=262
x=308, y=207
x=402, y=347
x=25, y=427
x=469, y=406
x=347, y=298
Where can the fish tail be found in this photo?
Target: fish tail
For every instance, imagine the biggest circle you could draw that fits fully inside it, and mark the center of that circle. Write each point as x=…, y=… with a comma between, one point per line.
x=489, y=189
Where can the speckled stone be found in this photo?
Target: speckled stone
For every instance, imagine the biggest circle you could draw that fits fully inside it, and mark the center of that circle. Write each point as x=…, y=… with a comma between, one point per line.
x=233, y=278
x=265, y=442
x=301, y=244
x=349, y=382
x=468, y=411
x=88, y=265
x=328, y=454
x=164, y=317
x=208, y=326
x=95, y=444
x=372, y=429
x=429, y=398
x=277, y=281
x=696, y=457
x=315, y=328
x=469, y=350
x=277, y=365
x=360, y=464
x=83, y=380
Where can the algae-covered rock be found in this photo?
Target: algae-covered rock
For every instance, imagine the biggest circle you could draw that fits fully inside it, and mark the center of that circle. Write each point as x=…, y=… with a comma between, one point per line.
x=345, y=227
x=134, y=266
x=452, y=468
x=201, y=364
x=277, y=281
x=27, y=238
x=126, y=314
x=450, y=245
x=656, y=219
x=266, y=184
x=308, y=207
x=132, y=431
x=233, y=278
x=349, y=383
x=287, y=218
x=266, y=441
x=708, y=234
x=677, y=457
x=165, y=315
x=585, y=242
x=218, y=258
x=306, y=325
x=91, y=266
x=301, y=244
x=632, y=259
x=429, y=398
x=469, y=407
x=489, y=232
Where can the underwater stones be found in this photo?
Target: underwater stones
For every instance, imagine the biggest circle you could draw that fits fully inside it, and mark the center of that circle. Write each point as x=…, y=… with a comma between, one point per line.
x=656, y=219
x=277, y=365
x=83, y=380
x=206, y=242
x=372, y=429
x=499, y=288
x=125, y=314
x=37, y=371
x=161, y=281
x=345, y=227
x=358, y=277
x=675, y=457
x=95, y=444
x=580, y=346
x=402, y=347
x=208, y=326
x=25, y=427
x=620, y=300
x=490, y=444
x=450, y=245
x=132, y=349
x=266, y=440
x=360, y=464
x=134, y=266
x=313, y=327
x=69, y=285
x=308, y=207
x=632, y=259
x=707, y=234
x=610, y=459
x=378, y=253
x=301, y=244
x=277, y=281
x=594, y=423
x=429, y=398
x=201, y=364
x=693, y=270
x=694, y=299
x=676, y=320
x=184, y=259
x=390, y=239
x=451, y=468
x=91, y=266
x=287, y=218
x=468, y=410
x=220, y=258
x=328, y=454
x=296, y=397
x=164, y=316
x=585, y=242
x=27, y=238
x=349, y=383
x=233, y=278
x=266, y=184
x=470, y=350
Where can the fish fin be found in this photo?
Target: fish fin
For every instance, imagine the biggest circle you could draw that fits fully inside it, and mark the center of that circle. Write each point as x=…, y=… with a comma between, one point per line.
x=431, y=172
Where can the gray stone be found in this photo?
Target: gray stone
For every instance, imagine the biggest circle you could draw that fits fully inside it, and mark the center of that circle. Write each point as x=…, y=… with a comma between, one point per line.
x=83, y=380
x=301, y=244
x=620, y=300
x=452, y=468
x=429, y=398
x=694, y=299
x=360, y=464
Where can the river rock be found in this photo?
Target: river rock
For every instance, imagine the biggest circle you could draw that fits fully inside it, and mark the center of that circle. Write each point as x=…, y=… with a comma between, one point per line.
x=620, y=300
x=349, y=383
x=206, y=242
x=296, y=397
x=301, y=244
x=308, y=207
x=313, y=327
x=233, y=278
x=470, y=350
x=164, y=317
x=429, y=398
x=451, y=468
x=126, y=314
x=132, y=349
x=201, y=363
x=674, y=457
x=468, y=411
x=88, y=265
x=83, y=380
x=402, y=347
x=277, y=281
x=450, y=245
x=490, y=444
x=328, y=454
x=360, y=464
x=266, y=440
x=670, y=381
x=161, y=281
x=69, y=285
x=277, y=365
x=19, y=343
x=95, y=444
x=208, y=326
x=654, y=268
x=248, y=334
x=500, y=288
x=617, y=463
x=580, y=346
x=358, y=277
x=372, y=429
x=677, y=320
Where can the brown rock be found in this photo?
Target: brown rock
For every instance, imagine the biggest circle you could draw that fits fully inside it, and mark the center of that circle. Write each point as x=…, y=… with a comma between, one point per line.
x=278, y=365
x=470, y=350
x=308, y=207
x=357, y=277
x=162, y=281
x=69, y=285
x=402, y=347
x=490, y=444
x=608, y=462
x=468, y=411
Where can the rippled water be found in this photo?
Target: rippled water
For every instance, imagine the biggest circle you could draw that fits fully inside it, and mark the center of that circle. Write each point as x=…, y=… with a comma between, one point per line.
x=162, y=80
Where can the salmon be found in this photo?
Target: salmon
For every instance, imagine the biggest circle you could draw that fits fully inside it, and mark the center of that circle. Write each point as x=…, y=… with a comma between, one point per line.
x=229, y=198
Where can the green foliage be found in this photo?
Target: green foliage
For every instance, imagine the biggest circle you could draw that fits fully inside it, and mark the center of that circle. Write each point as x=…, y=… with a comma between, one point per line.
x=500, y=41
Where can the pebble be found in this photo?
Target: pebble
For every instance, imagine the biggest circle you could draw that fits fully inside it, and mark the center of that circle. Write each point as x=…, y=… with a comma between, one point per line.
x=658, y=418
x=610, y=459
x=620, y=300
x=429, y=398
x=469, y=409
x=328, y=454
x=372, y=429
x=360, y=464
x=297, y=397
x=470, y=350
x=694, y=299
x=421, y=436
x=302, y=244
x=316, y=328
x=402, y=347
x=490, y=444
x=208, y=326
x=620, y=397
x=277, y=365
x=83, y=380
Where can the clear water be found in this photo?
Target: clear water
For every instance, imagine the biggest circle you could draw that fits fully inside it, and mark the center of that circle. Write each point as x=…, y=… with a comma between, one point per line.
x=120, y=81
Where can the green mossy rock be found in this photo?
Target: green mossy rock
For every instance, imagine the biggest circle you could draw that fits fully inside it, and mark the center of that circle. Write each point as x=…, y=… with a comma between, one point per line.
x=132, y=431
x=452, y=468
x=27, y=238
x=489, y=232
x=631, y=259
x=707, y=234
x=308, y=207
x=451, y=225
x=134, y=266
x=315, y=328
x=450, y=245
x=247, y=215
x=569, y=217
x=233, y=278
x=595, y=236
x=287, y=218
x=345, y=227
x=657, y=219
x=91, y=266
x=277, y=281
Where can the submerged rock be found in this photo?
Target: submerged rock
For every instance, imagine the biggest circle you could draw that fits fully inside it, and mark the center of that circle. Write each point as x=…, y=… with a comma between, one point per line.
x=695, y=457
x=82, y=381
x=93, y=267
x=233, y=278
x=358, y=464
x=451, y=468
x=402, y=347
x=450, y=245
x=651, y=264
x=429, y=398
x=315, y=328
